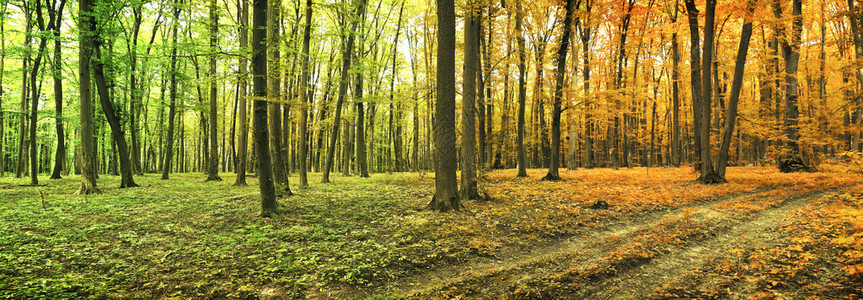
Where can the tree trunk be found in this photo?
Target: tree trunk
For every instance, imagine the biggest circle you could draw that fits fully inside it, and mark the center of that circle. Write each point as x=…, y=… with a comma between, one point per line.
x=269, y=206
x=22, y=118
x=343, y=89
x=553, y=174
x=588, y=122
x=791, y=159
x=60, y=155
x=243, y=139
x=2, y=91
x=304, y=97
x=695, y=78
x=274, y=96
x=468, y=105
x=446, y=185
x=522, y=92
x=675, y=93
x=736, y=85
x=213, y=163
x=172, y=106
x=34, y=96
x=88, y=149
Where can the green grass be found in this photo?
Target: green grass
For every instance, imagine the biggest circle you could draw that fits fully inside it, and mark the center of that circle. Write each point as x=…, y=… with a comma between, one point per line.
x=189, y=238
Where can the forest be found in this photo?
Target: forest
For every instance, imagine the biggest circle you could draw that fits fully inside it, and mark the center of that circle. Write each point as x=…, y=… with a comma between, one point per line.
x=406, y=149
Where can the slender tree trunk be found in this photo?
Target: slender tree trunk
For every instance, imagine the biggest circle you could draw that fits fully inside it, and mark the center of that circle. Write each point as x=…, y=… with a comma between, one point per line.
x=588, y=119
x=304, y=97
x=695, y=77
x=736, y=85
x=675, y=92
x=60, y=154
x=88, y=149
x=172, y=106
x=553, y=174
x=446, y=185
x=2, y=91
x=522, y=92
x=22, y=119
x=243, y=139
x=34, y=96
x=117, y=134
x=343, y=89
x=213, y=163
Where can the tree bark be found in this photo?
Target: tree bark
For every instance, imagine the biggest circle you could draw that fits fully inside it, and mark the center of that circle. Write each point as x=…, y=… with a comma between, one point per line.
x=791, y=159
x=60, y=154
x=269, y=206
x=274, y=96
x=172, y=106
x=34, y=96
x=243, y=139
x=695, y=78
x=468, y=105
x=88, y=149
x=736, y=85
x=304, y=97
x=553, y=174
x=213, y=164
x=522, y=91
x=446, y=185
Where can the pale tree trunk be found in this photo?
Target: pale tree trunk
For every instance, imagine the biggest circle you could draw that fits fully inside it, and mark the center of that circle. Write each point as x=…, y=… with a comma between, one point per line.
x=446, y=183
x=553, y=174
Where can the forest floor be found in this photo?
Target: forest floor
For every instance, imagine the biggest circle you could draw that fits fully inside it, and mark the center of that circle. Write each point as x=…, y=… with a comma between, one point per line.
x=763, y=235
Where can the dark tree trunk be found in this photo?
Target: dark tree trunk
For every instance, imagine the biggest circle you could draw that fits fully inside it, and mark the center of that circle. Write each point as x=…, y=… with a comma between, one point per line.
x=60, y=155
x=274, y=97
x=675, y=93
x=172, y=106
x=553, y=174
x=113, y=120
x=243, y=139
x=304, y=97
x=791, y=158
x=213, y=163
x=736, y=85
x=34, y=96
x=269, y=206
x=695, y=78
x=522, y=92
x=446, y=184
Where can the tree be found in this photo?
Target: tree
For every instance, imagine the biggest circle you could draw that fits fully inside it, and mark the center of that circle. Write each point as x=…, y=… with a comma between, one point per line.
x=56, y=14
x=172, y=106
x=791, y=159
x=553, y=174
x=468, y=102
x=242, y=63
x=213, y=165
x=85, y=48
x=304, y=97
x=446, y=185
x=343, y=90
x=269, y=206
x=522, y=91
x=675, y=88
x=34, y=96
x=274, y=95
x=117, y=134
x=736, y=85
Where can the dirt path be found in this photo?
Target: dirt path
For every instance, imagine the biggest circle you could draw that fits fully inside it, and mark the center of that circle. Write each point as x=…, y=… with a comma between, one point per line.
x=517, y=267
x=639, y=282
